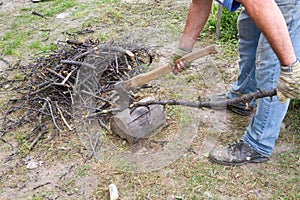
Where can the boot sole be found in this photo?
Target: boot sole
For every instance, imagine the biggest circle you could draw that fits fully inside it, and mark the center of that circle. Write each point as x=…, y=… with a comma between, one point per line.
x=238, y=164
x=239, y=111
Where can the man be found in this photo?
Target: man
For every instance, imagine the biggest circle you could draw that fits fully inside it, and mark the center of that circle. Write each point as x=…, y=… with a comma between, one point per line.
x=269, y=45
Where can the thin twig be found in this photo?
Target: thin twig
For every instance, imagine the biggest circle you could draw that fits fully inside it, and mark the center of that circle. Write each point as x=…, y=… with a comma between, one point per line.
x=72, y=62
x=39, y=126
x=37, y=139
x=38, y=14
x=63, y=118
x=52, y=115
x=67, y=78
x=102, y=124
x=42, y=185
x=96, y=96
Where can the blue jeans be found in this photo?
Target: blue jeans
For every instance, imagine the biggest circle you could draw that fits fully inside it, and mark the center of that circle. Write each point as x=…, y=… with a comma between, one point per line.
x=260, y=68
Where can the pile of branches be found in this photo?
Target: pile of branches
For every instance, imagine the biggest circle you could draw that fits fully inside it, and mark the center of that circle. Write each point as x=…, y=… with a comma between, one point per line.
x=43, y=90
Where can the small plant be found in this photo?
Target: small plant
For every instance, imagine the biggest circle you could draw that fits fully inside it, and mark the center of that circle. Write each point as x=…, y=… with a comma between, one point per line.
x=82, y=172
x=107, y=1
x=35, y=45
x=228, y=26
x=58, y=7
x=295, y=104
x=292, y=118
x=10, y=42
x=19, y=76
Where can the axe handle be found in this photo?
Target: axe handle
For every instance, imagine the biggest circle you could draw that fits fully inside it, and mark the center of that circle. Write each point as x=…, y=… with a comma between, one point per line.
x=142, y=79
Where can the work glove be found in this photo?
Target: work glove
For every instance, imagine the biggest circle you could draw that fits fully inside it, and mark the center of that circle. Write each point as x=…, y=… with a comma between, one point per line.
x=288, y=85
x=185, y=46
x=176, y=54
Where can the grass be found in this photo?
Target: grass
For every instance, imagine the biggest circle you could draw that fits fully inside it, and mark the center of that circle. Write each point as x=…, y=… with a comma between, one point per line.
x=52, y=8
x=25, y=27
x=189, y=177
x=179, y=115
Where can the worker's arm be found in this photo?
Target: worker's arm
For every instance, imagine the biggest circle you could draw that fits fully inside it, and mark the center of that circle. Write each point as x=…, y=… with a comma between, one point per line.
x=265, y=14
x=268, y=18
x=197, y=17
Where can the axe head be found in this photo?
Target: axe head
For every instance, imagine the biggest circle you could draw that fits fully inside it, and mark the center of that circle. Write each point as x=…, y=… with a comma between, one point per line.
x=124, y=97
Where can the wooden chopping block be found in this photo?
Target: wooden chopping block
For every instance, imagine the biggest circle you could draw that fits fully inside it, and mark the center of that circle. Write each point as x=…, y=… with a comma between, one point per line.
x=139, y=123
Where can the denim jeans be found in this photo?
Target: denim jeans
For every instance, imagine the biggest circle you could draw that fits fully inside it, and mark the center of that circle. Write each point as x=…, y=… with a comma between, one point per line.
x=259, y=68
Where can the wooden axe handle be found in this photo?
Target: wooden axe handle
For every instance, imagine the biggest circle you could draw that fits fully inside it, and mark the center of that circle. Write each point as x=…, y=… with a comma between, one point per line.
x=142, y=79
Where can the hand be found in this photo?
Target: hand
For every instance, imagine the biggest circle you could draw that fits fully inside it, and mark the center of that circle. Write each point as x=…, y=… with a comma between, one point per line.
x=177, y=54
x=288, y=85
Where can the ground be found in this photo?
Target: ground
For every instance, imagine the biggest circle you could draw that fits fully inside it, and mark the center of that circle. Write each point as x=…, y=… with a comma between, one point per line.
x=59, y=166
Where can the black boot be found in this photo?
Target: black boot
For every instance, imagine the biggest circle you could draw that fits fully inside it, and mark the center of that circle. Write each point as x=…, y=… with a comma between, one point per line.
x=239, y=153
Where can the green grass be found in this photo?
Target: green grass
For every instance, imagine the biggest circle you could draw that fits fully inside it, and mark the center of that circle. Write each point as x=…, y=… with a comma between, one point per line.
x=25, y=26
x=11, y=42
x=105, y=1
x=56, y=7
x=179, y=114
x=38, y=46
x=35, y=44
x=41, y=196
x=228, y=26
x=292, y=121
x=202, y=182
x=83, y=171
x=15, y=41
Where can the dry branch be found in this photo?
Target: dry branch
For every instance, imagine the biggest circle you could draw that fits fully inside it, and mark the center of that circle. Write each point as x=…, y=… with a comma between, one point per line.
x=211, y=104
x=43, y=91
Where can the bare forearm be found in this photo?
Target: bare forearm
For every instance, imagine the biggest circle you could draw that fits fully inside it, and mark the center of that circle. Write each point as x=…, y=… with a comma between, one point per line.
x=268, y=18
x=197, y=17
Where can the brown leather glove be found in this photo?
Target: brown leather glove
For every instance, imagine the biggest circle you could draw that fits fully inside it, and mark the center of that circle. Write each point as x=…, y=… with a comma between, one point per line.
x=288, y=85
x=185, y=46
x=176, y=54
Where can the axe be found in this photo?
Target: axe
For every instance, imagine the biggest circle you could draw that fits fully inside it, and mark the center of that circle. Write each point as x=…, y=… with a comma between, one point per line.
x=122, y=88
x=144, y=120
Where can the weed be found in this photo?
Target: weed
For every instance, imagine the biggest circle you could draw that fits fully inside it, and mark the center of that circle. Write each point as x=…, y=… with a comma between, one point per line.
x=113, y=13
x=289, y=159
x=292, y=119
x=202, y=182
x=35, y=45
x=11, y=41
x=38, y=46
x=82, y=172
x=24, y=149
x=105, y=1
x=19, y=76
x=57, y=7
x=23, y=144
x=41, y=196
x=179, y=115
x=80, y=11
x=228, y=26
x=68, y=185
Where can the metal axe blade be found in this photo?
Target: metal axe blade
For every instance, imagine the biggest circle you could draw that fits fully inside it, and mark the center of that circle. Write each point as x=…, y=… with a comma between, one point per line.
x=123, y=96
